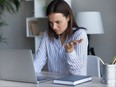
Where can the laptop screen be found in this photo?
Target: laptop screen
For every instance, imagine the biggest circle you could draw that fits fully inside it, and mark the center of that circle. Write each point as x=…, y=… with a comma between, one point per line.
x=17, y=65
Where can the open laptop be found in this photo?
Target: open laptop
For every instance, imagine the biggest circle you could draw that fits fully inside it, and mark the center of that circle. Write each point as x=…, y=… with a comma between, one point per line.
x=17, y=65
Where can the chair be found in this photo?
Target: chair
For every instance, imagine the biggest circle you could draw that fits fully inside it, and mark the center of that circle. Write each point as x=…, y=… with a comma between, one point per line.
x=93, y=66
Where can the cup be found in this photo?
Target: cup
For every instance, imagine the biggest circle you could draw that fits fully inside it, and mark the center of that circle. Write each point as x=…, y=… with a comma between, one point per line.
x=109, y=74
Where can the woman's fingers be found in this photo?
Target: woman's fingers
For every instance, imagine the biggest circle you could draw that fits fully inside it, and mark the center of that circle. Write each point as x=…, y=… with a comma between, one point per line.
x=74, y=42
x=69, y=45
x=77, y=41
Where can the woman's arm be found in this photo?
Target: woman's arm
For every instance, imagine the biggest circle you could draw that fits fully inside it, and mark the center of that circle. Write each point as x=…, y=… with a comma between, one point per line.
x=40, y=56
x=76, y=57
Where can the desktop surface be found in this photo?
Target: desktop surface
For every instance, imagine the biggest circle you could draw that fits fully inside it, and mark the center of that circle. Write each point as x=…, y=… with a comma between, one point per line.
x=96, y=82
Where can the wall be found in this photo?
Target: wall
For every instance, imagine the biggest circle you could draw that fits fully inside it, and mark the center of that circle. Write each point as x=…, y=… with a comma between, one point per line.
x=15, y=31
x=104, y=44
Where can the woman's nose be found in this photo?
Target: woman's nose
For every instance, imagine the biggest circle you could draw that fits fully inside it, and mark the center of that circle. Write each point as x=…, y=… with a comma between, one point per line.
x=54, y=26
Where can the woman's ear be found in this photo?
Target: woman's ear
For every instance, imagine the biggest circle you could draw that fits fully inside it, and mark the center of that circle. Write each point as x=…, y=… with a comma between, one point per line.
x=68, y=17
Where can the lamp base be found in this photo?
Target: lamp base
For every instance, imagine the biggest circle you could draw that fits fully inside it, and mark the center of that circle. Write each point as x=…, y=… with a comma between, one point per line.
x=92, y=51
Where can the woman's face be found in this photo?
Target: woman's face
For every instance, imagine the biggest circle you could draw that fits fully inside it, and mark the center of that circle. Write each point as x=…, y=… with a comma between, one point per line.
x=58, y=22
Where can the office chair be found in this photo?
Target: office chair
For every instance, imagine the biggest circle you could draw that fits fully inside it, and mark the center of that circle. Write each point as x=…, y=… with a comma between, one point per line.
x=93, y=66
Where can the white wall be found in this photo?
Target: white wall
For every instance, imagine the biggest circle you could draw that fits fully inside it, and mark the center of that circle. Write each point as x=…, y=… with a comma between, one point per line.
x=104, y=44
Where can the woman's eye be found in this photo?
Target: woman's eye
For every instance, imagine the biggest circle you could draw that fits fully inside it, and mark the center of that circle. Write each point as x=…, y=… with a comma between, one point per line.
x=58, y=22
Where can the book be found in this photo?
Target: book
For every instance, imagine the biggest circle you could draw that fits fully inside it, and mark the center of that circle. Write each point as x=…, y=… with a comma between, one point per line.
x=72, y=79
x=34, y=27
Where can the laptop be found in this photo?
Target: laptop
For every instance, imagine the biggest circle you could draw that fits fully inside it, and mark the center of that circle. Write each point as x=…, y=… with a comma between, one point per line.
x=17, y=65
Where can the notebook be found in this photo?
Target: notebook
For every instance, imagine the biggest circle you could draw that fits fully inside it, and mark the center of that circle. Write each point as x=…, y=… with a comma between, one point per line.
x=72, y=79
x=17, y=65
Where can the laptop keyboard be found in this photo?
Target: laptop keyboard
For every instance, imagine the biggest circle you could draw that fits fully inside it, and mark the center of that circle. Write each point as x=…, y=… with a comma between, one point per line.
x=43, y=78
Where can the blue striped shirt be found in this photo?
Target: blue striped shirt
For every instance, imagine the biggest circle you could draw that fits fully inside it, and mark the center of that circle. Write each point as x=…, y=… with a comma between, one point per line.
x=56, y=57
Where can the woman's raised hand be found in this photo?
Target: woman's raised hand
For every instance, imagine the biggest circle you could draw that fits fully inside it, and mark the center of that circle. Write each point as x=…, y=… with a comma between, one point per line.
x=70, y=46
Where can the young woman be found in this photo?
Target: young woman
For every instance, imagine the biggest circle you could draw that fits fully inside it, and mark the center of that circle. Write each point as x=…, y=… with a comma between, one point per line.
x=64, y=46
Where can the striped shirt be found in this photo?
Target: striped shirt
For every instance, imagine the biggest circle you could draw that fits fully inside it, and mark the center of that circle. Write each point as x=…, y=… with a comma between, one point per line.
x=58, y=60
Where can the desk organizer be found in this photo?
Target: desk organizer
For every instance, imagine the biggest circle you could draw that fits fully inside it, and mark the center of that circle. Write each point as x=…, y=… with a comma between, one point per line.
x=109, y=74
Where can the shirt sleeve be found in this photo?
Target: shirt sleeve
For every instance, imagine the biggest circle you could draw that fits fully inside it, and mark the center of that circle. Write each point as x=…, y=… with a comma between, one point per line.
x=76, y=58
x=40, y=56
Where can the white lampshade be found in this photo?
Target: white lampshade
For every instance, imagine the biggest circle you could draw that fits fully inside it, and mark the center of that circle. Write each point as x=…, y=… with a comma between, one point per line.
x=69, y=2
x=91, y=21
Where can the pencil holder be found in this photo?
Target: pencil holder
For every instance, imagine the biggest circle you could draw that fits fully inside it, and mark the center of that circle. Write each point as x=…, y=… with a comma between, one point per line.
x=109, y=74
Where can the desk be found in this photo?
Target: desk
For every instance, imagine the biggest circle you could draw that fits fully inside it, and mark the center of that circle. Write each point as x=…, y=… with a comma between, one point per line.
x=96, y=82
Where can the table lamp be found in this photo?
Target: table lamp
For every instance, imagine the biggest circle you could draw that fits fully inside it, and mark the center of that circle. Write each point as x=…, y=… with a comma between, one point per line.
x=92, y=21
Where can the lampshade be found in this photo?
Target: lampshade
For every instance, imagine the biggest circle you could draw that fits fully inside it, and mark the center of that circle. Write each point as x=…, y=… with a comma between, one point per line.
x=91, y=21
x=69, y=2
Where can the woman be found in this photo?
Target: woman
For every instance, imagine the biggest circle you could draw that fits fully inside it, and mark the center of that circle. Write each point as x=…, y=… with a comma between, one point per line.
x=64, y=45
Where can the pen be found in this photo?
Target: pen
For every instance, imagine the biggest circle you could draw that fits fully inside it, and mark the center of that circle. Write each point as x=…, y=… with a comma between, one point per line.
x=101, y=61
x=114, y=61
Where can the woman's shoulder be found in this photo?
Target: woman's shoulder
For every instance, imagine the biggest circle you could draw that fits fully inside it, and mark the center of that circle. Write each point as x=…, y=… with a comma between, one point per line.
x=80, y=31
x=45, y=34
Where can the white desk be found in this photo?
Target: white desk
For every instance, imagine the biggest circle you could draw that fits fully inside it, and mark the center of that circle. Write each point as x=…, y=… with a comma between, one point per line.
x=96, y=82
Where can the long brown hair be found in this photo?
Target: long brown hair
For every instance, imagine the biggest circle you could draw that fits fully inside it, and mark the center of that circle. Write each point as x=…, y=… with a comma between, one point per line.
x=60, y=6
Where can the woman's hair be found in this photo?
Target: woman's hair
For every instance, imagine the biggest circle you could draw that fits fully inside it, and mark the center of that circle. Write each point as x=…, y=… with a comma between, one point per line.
x=60, y=6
